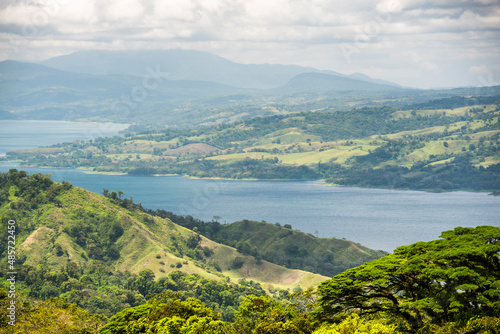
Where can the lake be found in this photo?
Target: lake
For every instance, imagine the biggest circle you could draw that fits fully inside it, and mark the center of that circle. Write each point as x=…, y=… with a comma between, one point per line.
x=379, y=219
x=16, y=134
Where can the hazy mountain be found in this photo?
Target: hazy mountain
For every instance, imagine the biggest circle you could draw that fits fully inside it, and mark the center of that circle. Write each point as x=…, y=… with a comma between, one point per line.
x=175, y=87
x=185, y=65
x=38, y=91
x=321, y=82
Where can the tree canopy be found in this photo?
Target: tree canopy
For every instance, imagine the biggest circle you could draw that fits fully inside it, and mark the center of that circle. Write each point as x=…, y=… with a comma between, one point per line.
x=453, y=279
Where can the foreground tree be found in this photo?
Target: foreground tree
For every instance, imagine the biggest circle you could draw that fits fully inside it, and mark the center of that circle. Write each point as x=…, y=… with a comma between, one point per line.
x=450, y=280
x=174, y=316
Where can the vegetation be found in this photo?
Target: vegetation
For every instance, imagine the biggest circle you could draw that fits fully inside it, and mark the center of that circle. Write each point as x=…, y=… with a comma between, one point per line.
x=281, y=244
x=446, y=282
x=105, y=254
x=424, y=148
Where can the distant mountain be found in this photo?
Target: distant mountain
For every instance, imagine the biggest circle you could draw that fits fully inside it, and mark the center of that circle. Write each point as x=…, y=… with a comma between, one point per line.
x=157, y=88
x=185, y=65
x=321, y=82
x=363, y=77
x=35, y=91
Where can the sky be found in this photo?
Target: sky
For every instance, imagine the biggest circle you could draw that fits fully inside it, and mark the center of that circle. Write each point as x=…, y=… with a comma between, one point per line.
x=415, y=43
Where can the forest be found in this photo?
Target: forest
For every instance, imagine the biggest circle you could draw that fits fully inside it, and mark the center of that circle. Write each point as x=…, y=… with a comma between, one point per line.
x=449, y=285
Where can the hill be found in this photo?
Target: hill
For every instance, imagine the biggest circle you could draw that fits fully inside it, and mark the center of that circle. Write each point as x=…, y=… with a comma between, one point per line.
x=449, y=144
x=322, y=82
x=282, y=245
x=75, y=225
x=154, y=89
x=33, y=91
x=174, y=88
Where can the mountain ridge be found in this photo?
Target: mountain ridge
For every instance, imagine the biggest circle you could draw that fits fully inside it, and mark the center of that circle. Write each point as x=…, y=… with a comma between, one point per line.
x=188, y=64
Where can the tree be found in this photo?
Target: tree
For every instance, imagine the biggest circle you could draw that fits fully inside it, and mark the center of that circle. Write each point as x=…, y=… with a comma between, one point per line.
x=264, y=315
x=175, y=316
x=452, y=279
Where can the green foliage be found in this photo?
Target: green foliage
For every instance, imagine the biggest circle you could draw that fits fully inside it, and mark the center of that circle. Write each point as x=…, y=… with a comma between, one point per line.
x=47, y=317
x=452, y=279
x=264, y=315
x=280, y=245
x=450, y=285
x=484, y=325
x=175, y=316
x=353, y=324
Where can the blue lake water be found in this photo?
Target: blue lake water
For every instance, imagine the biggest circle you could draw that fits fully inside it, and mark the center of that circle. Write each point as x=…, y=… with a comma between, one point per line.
x=15, y=134
x=379, y=219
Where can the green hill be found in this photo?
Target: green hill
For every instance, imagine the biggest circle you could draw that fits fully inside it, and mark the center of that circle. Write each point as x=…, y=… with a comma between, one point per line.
x=60, y=224
x=282, y=245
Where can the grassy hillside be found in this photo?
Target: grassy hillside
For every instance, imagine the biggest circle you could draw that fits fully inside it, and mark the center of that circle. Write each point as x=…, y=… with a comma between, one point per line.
x=282, y=245
x=424, y=147
x=78, y=226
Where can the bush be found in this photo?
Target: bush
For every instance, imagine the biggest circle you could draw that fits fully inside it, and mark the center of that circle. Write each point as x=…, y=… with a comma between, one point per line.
x=237, y=262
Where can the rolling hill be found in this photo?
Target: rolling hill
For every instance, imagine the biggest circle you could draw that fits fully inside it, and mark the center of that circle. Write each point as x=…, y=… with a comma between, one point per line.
x=449, y=144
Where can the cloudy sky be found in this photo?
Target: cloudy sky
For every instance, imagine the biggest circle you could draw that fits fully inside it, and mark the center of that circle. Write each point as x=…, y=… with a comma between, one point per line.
x=418, y=43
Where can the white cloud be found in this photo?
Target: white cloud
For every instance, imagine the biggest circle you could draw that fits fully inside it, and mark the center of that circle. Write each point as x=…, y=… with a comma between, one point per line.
x=414, y=42
x=479, y=70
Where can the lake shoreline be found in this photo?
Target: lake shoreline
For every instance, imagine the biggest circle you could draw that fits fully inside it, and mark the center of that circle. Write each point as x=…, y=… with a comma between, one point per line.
x=319, y=181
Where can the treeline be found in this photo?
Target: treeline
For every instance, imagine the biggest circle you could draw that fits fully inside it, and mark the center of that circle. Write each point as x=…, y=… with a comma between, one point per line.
x=100, y=289
x=455, y=102
x=457, y=174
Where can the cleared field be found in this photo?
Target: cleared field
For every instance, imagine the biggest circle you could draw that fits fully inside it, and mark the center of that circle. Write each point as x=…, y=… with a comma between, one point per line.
x=339, y=155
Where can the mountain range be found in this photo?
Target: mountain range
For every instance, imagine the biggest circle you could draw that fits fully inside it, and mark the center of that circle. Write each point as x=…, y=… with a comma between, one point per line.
x=189, y=65
x=174, y=87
